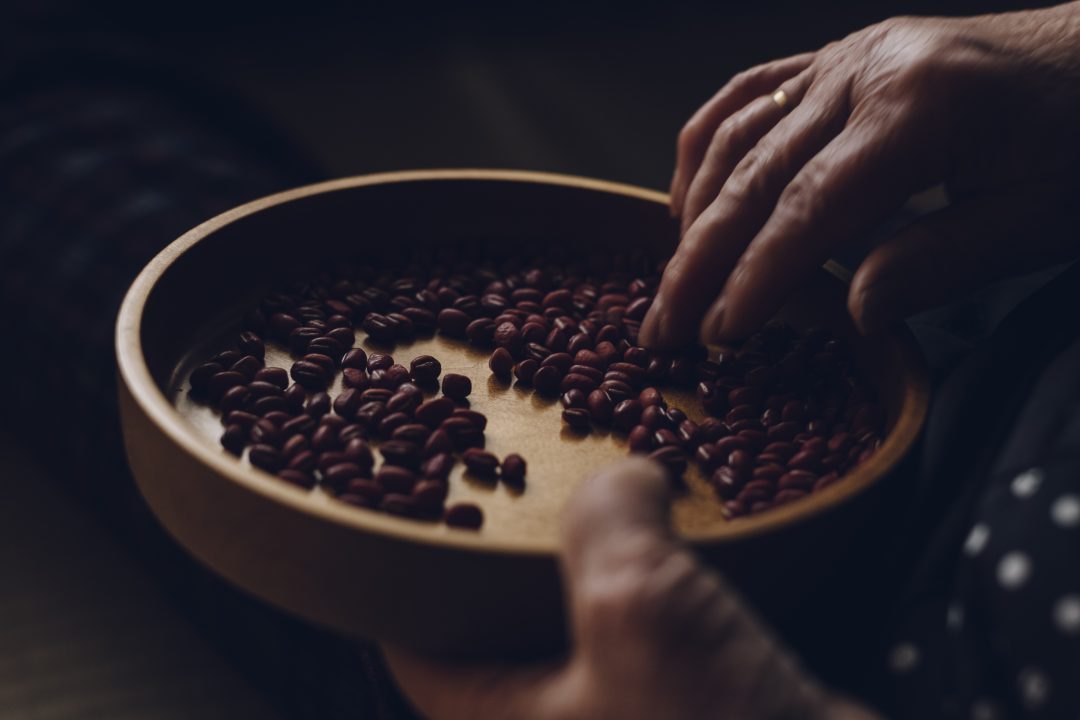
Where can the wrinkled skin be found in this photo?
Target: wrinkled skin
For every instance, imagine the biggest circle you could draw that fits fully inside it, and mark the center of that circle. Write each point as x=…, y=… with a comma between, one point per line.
x=655, y=634
x=985, y=105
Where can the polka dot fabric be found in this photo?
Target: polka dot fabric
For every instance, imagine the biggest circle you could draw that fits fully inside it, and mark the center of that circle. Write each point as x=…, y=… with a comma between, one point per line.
x=990, y=628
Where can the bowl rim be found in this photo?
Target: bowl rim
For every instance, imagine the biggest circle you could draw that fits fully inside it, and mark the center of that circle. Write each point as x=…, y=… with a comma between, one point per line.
x=135, y=375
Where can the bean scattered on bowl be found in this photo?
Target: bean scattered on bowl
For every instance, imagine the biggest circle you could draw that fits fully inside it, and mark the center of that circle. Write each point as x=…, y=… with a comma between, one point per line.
x=786, y=414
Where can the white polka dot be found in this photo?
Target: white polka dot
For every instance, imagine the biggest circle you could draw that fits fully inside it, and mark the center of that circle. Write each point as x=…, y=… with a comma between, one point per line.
x=1067, y=614
x=1027, y=483
x=984, y=710
x=903, y=658
x=1066, y=511
x=1013, y=570
x=1034, y=688
x=954, y=616
x=977, y=539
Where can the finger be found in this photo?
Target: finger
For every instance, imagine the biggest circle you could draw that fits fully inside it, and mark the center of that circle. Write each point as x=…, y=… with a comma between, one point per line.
x=621, y=562
x=696, y=134
x=628, y=577
x=733, y=139
x=445, y=691
x=637, y=595
x=696, y=273
x=866, y=172
x=612, y=516
x=955, y=250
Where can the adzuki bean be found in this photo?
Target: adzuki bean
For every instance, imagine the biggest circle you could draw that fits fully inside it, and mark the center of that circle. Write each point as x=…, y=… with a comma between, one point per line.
x=784, y=414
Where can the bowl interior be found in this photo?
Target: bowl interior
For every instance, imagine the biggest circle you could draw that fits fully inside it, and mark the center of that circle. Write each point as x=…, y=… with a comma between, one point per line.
x=196, y=293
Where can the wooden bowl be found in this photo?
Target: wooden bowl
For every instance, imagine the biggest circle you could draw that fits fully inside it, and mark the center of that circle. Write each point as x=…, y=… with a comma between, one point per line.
x=421, y=584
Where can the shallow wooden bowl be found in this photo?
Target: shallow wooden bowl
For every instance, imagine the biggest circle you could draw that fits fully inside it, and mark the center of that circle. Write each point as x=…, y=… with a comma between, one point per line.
x=420, y=584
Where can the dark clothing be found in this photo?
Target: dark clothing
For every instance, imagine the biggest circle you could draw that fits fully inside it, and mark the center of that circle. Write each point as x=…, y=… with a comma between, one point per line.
x=988, y=625
x=101, y=166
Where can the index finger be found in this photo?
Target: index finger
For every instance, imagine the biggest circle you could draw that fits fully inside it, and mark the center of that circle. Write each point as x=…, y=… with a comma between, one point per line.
x=856, y=180
x=696, y=273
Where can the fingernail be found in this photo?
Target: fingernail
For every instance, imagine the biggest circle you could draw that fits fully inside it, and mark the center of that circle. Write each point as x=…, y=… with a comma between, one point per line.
x=654, y=332
x=868, y=312
x=647, y=331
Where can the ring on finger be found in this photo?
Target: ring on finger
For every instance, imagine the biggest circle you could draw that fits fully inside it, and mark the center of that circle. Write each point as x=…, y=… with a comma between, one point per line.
x=780, y=98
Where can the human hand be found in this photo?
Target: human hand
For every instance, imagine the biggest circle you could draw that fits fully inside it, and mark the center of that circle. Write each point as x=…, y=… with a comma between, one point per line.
x=654, y=633
x=987, y=105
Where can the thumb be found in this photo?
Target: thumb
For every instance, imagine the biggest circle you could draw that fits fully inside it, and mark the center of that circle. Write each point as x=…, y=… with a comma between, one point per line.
x=628, y=578
x=656, y=633
x=953, y=251
x=617, y=519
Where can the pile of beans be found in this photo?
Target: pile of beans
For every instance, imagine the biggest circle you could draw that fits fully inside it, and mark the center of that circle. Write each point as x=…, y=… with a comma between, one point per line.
x=786, y=414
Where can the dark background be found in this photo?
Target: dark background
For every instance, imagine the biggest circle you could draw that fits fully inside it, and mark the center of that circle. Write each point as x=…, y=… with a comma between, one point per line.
x=100, y=615
x=597, y=88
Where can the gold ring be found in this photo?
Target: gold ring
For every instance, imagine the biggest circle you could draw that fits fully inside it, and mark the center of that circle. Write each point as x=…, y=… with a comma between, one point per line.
x=781, y=99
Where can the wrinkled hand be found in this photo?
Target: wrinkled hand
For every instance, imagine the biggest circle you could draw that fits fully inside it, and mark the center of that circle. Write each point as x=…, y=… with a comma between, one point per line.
x=655, y=634
x=987, y=105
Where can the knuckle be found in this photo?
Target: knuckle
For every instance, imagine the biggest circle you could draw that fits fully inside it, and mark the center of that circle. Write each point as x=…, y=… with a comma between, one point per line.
x=802, y=201
x=646, y=599
x=730, y=136
x=612, y=607
x=749, y=181
x=921, y=70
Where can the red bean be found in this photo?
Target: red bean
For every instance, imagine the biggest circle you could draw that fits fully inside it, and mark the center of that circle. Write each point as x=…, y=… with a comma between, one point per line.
x=600, y=407
x=579, y=382
x=794, y=416
x=395, y=479
x=465, y=516
x=640, y=439
x=588, y=371
x=501, y=363
x=525, y=370
x=577, y=419
x=433, y=412
x=355, y=359
x=452, y=322
x=425, y=369
x=547, y=381
x=513, y=469
x=364, y=488
x=672, y=458
x=430, y=494
x=654, y=417
x=400, y=452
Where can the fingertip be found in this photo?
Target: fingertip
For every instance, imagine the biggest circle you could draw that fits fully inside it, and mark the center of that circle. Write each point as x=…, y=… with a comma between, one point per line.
x=626, y=483
x=712, y=322
x=657, y=331
x=647, y=331
x=635, y=472
x=868, y=297
x=631, y=493
x=867, y=310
